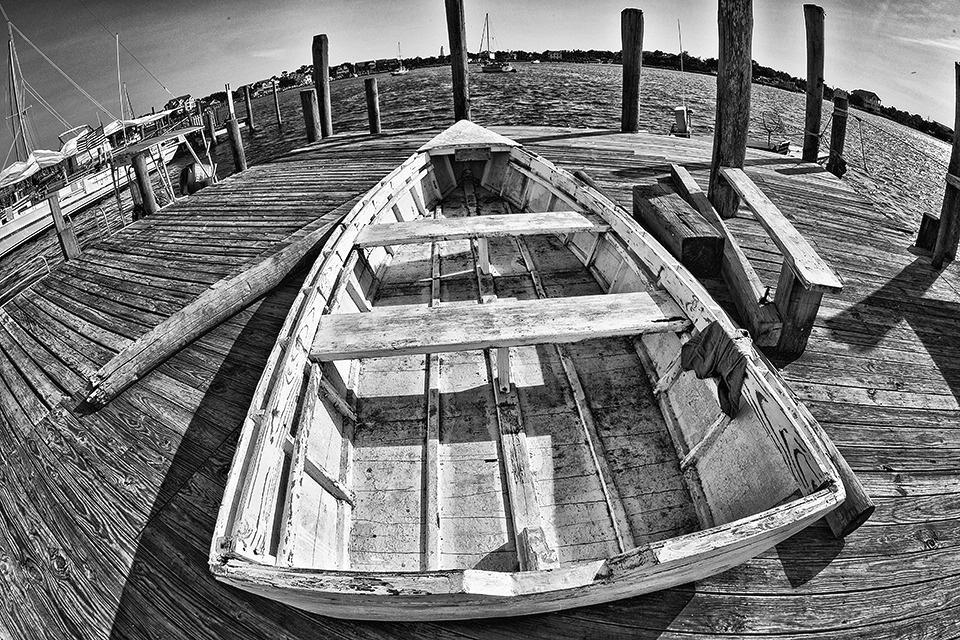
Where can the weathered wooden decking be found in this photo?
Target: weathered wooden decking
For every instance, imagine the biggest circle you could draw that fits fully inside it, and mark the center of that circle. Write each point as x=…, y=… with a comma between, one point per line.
x=106, y=517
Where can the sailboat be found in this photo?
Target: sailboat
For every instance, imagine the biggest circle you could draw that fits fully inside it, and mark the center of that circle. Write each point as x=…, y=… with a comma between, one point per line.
x=491, y=65
x=402, y=70
x=80, y=174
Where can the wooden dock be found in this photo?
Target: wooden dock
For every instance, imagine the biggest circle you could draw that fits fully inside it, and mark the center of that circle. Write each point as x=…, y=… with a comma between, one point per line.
x=106, y=516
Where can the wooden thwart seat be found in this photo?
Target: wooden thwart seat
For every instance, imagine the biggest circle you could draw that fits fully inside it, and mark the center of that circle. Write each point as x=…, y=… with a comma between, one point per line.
x=408, y=331
x=487, y=226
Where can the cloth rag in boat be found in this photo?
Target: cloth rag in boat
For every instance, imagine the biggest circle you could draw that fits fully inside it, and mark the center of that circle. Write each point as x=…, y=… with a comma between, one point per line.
x=713, y=353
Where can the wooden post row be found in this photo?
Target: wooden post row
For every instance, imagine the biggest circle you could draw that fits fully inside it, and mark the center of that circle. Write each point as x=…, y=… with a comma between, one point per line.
x=236, y=145
x=321, y=81
x=813, y=18
x=66, y=234
x=948, y=234
x=631, y=36
x=373, y=104
x=311, y=114
x=734, y=75
x=457, y=33
x=836, y=164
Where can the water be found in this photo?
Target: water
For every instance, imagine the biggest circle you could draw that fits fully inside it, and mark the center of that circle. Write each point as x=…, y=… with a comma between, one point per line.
x=899, y=168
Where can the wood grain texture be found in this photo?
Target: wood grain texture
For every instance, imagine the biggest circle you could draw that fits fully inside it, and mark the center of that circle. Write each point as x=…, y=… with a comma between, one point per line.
x=881, y=344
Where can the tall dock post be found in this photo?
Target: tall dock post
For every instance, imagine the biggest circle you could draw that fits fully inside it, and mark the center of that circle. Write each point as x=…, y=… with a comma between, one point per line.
x=373, y=103
x=66, y=234
x=457, y=32
x=236, y=145
x=311, y=114
x=949, y=233
x=276, y=103
x=631, y=36
x=813, y=18
x=734, y=75
x=835, y=163
x=142, y=175
x=249, y=103
x=210, y=120
x=321, y=81
x=229, y=92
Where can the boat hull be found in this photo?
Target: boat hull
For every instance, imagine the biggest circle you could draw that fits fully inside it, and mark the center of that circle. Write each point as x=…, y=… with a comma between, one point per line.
x=743, y=481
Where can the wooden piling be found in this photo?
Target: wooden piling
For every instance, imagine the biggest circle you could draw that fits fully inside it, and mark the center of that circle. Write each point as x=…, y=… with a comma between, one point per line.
x=230, y=106
x=236, y=145
x=249, y=103
x=311, y=114
x=813, y=18
x=457, y=33
x=373, y=103
x=210, y=120
x=321, y=81
x=276, y=103
x=631, y=37
x=734, y=75
x=836, y=163
x=66, y=234
x=144, y=186
x=949, y=233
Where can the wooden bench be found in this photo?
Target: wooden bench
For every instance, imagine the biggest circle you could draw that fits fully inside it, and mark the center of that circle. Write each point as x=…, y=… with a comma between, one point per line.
x=479, y=227
x=804, y=276
x=415, y=330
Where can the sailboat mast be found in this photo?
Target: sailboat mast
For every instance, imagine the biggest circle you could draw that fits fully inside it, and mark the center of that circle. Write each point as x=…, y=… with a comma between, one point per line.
x=487, y=29
x=20, y=130
x=120, y=90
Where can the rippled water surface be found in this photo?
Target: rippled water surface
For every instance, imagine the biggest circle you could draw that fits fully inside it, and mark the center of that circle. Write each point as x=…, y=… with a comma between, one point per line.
x=899, y=168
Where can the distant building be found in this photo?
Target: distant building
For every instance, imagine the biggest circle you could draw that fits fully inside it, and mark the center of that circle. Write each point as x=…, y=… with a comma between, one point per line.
x=554, y=55
x=181, y=102
x=870, y=99
x=343, y=70
x=366, y=68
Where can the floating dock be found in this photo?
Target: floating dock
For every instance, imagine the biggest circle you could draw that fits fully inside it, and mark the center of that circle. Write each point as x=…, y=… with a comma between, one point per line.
x=106, y=516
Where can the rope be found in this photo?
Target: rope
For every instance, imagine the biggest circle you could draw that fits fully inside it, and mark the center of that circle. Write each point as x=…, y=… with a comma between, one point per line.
x=46, y=105
x=123, y=46
x=63, y=73
x=902, y=140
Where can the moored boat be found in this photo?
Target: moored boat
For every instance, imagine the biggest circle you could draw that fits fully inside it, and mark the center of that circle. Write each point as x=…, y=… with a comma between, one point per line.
x=480, y=405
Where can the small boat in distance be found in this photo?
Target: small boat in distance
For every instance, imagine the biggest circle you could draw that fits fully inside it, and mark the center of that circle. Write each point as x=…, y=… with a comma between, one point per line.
x=480, y=406
x=491, y=65
x=402, y=70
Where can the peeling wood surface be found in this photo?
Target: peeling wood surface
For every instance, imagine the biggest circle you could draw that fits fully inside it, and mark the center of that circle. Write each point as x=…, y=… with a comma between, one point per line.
x=107, y=517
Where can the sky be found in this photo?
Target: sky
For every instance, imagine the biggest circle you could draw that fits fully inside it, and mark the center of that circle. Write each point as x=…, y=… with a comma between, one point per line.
x=903, y=50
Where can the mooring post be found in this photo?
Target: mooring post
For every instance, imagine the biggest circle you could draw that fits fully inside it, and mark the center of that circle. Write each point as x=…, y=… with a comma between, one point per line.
x=836, y=163
x=66, y=234
x=142, y=175
x=230, y=106
x=276, y=103
x=321, y=81
x=734, y=75
x=211, y=126
x=813, y=18
x=236, y=145
x=457, y=33
x=311, y=114
x=949, y=233
x=249, y=103
x=631, y=37
x=373, y=103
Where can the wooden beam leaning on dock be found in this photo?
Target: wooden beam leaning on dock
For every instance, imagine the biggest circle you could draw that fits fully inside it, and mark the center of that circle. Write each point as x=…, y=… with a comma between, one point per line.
x=222, y=300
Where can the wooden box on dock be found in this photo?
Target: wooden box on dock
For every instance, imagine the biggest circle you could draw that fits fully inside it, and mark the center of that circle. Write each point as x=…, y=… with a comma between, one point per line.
x=680, y=228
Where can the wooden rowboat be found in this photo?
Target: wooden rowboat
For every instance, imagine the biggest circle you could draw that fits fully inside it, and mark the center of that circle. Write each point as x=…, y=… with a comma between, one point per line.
x=478, y=406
